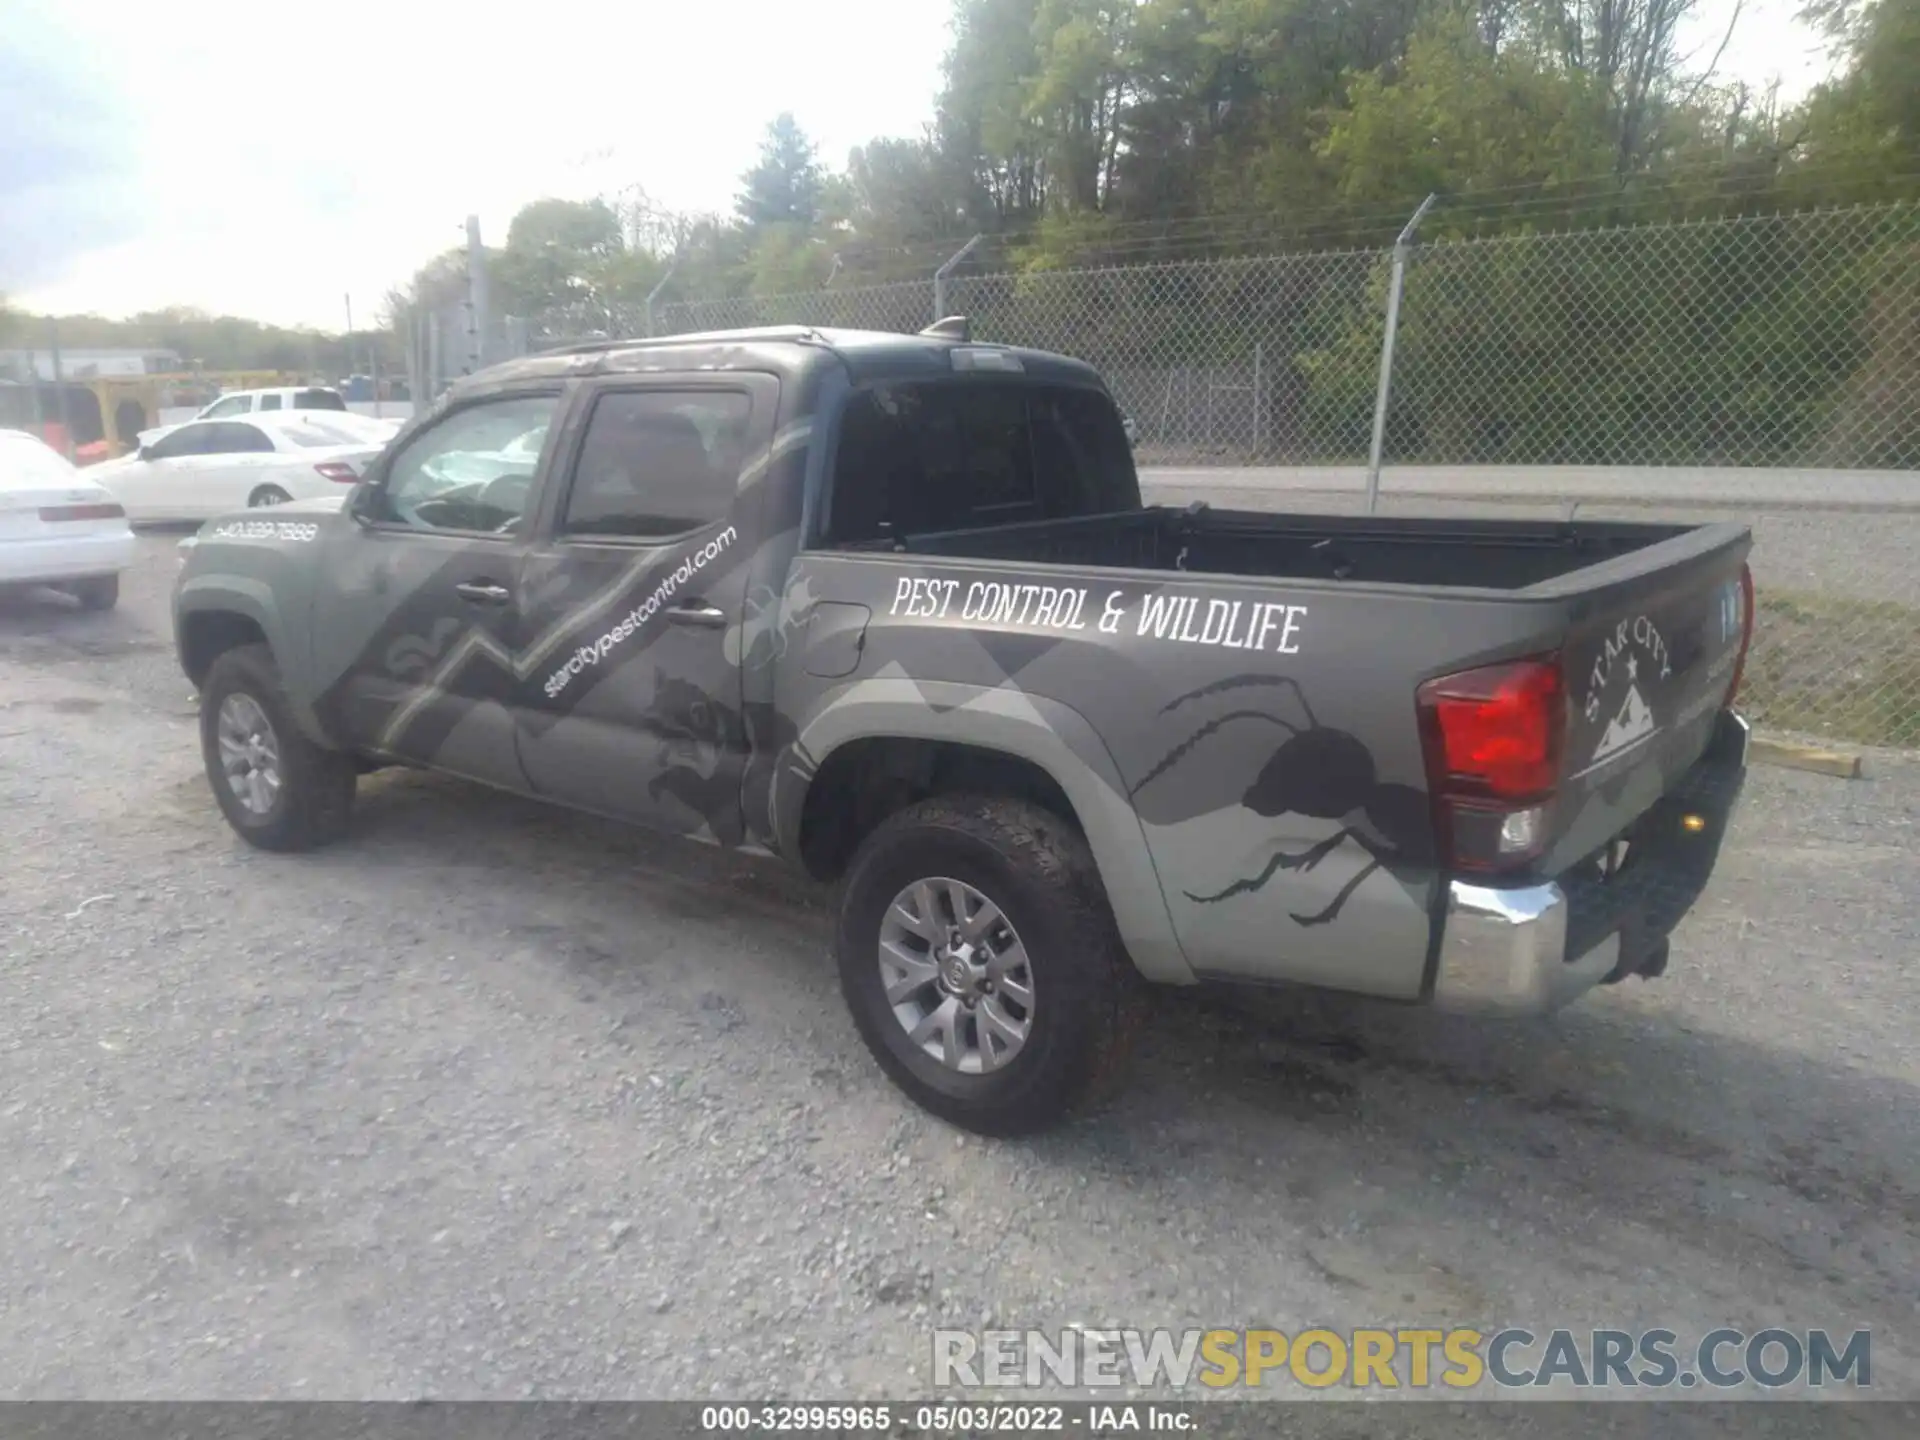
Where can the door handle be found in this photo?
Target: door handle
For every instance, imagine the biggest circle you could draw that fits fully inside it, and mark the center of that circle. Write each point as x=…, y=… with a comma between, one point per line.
x=698, y=612
x=483, y=592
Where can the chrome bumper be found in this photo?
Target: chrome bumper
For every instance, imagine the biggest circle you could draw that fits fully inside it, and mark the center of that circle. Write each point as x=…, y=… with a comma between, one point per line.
x=1504, y=951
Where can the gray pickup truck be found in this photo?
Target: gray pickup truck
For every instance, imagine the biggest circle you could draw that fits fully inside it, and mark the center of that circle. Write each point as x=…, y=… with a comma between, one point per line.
x=890, y=607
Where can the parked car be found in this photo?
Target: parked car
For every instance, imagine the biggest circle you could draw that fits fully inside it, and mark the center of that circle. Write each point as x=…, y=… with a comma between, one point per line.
x=206, y=467
x=245, y=403
x=57, y=527
x=890, y=608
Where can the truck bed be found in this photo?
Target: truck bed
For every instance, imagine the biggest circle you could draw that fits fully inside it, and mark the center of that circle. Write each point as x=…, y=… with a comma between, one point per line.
x=1476, y=553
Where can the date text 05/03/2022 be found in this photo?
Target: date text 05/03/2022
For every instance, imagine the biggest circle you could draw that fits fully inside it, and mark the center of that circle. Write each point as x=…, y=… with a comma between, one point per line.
x=1267, y=625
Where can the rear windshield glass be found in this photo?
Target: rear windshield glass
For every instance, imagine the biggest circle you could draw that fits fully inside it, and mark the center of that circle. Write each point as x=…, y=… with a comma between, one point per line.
x=311, y=432
x=318, y=400
x=953, y=455
x=25, y=461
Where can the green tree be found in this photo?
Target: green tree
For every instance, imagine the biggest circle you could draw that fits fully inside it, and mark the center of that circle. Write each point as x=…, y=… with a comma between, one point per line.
x=904, y=192
x=558, y=253
x=784, y=185
x=982, y=121
x=1459, y=115
x=1865, y=125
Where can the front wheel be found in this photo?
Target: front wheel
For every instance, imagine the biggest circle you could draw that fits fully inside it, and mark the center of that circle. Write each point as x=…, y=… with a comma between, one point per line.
x=980, y=960
x=278, y=789
x=267, y=495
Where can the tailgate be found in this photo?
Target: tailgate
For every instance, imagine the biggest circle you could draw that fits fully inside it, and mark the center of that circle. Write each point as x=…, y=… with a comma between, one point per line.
x=1649, y=665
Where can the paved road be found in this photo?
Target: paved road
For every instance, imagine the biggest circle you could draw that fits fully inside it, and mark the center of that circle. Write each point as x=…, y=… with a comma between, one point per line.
x=1683, y=486
x=1859, y=555
x=491, y=1101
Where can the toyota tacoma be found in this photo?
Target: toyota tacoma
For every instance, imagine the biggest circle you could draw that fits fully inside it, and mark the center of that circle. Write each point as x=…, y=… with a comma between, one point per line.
x=890, y=607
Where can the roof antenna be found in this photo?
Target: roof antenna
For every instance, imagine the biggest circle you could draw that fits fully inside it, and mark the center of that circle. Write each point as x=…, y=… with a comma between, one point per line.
x=954, y=327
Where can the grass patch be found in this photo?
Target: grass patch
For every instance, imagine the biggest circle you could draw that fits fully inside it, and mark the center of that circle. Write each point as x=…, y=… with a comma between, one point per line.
x=1835, y=667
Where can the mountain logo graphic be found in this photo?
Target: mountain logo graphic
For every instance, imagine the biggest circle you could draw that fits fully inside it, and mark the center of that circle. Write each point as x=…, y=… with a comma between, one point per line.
x=1633, y=724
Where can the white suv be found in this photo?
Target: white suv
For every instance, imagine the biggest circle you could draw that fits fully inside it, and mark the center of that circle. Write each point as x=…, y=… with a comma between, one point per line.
x=290, y=397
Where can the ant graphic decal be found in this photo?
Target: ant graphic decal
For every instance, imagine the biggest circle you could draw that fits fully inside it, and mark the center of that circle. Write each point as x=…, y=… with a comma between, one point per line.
x=1323, y=774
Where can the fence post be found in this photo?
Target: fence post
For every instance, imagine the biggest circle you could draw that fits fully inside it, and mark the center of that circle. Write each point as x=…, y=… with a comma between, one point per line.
x=478, y=296
x=940, y=277
x=416, y=361
x=1384, y=395
x=1256, y=399
x=654, y=294
x=60, y=388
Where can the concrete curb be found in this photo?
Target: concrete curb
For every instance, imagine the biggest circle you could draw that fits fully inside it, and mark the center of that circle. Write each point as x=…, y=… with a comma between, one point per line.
x=1791, y=756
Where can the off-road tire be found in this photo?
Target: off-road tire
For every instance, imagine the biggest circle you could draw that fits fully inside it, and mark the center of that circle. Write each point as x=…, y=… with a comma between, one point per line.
x=96, y=592
x=317, y=784
x=1088, y=997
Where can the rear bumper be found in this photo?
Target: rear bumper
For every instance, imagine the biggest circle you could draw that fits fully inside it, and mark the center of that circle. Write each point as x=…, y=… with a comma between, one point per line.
x=65, y=557
x=1529, y=949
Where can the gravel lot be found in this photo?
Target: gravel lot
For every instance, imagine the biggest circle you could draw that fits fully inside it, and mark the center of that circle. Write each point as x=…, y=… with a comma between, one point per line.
x=494, y=1101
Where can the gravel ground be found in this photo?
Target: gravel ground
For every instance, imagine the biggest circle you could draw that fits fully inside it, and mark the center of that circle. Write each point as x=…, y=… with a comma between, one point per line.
x=494, y=1101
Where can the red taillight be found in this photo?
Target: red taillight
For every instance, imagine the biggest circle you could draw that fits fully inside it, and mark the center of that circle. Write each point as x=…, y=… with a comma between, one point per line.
x=105, y=510
x=1497, y=731
x=337, y=472
x=1493, y=739
x=1746, y=632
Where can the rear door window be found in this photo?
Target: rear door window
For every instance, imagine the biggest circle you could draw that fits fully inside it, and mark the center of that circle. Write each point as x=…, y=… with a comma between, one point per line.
x=187, y=440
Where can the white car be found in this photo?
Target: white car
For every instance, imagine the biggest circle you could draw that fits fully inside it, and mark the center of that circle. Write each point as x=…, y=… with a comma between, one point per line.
x=208, y=467
x=236, y=404
x=57, y=527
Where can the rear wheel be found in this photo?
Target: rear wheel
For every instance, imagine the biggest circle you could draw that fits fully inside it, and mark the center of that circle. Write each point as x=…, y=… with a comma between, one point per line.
x=277, y=788
x=96, y=592
x=267, y=495
x=982, y=965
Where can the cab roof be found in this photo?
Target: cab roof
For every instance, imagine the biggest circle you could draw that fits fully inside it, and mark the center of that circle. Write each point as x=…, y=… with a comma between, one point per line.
x=785, y=349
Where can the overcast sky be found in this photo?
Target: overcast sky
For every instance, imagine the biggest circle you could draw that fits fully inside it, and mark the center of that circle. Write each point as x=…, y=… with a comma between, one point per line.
x=268, y=160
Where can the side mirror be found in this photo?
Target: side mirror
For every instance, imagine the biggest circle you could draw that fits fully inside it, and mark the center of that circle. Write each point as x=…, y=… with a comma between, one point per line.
x=145, y=452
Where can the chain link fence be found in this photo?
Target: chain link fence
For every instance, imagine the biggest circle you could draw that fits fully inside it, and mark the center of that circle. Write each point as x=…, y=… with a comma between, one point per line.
x=1764, y=367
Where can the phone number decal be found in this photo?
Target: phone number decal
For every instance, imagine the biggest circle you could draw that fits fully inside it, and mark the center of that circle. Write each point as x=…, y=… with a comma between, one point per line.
x=266, y=530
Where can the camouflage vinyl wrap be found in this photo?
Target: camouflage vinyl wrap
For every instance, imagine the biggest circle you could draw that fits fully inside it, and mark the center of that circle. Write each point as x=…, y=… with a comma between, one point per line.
x=1242, y=753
